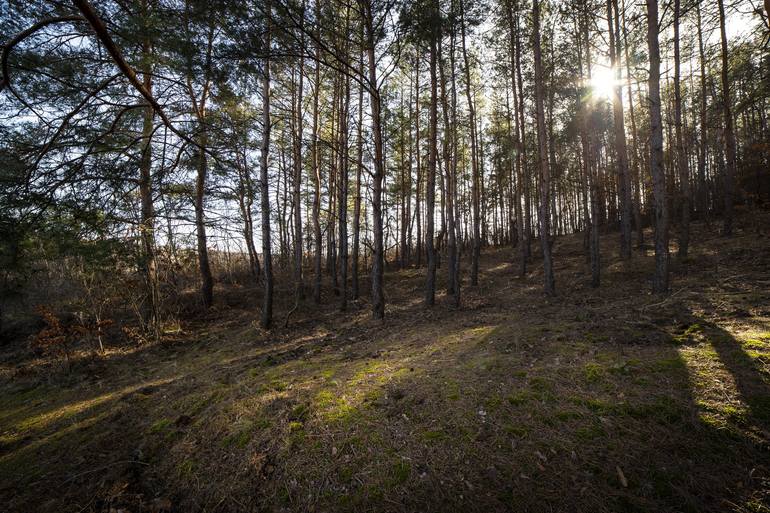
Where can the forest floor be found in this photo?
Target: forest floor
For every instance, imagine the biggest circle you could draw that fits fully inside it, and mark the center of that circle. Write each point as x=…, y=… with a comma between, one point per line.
x=608, y=399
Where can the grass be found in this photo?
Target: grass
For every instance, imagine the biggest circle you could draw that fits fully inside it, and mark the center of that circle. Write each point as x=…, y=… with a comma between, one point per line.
x=511, y=400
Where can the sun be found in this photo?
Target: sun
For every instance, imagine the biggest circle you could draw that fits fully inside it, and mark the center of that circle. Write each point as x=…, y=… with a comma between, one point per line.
x=603, y=82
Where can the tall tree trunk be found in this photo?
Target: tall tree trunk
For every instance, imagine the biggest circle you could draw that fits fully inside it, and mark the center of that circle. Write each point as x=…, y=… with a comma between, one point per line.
x=524, y=173
x=342, y=209
x=549, y=286
x=359, y=170
x=147, y=224
x=317, y=236
x=703, y=203
x=207, y=281
x=418, y=155
x=453, y=172
x=729, y=134
x=520, y=225
x=475, y=179
x=660, y=279
x=299, y=287
x=430, y=191
x=378, y=298
x=621, y=149
x=592, y=148
x=681, y=158
x=267, y=300
x=637, y=175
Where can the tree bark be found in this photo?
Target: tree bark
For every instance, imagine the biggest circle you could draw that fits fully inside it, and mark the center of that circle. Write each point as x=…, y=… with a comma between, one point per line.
x=549, y=286
x=430, y=191
x=621, y=148
x=660, y=279
x=475, y=179
x=267, y=300
x=681, y=158
x=378, y=298
x=729, y=134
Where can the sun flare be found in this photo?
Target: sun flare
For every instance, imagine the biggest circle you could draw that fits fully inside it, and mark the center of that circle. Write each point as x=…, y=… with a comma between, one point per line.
x=602, y=82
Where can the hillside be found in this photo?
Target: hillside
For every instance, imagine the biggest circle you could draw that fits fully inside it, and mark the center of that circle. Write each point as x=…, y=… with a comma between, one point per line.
x=608, y=399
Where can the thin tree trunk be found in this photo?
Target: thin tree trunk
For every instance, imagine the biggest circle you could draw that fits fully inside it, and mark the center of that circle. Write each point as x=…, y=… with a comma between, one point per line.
x=267, y=300
x=475, y=179
x=317, y=236
x=702, y=187
x=147, y=225
x=298, y=281
x=681, y=158
x=729, y=134
x=549, y=286
x=621, y=149
x=342, y=215
x=359, y=170
x=660, y=279
x=430, y=192
x=378, y=298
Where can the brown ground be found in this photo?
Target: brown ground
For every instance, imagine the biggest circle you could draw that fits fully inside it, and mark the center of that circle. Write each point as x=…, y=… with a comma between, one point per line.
x=598, y=400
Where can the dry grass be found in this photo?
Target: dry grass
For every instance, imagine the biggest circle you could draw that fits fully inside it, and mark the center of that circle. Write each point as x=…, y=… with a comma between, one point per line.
x=597, y=400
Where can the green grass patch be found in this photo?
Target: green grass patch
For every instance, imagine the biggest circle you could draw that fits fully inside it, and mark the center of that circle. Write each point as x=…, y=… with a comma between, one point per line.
x=593, y=372
x=400, y=473
x=517, y=431
x=159, y=426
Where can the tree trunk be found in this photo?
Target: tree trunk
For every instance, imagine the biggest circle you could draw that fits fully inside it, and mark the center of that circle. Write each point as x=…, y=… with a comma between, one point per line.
x=342, y=210
x=475, y=179
x=660, y=279
x=378, y=298
x=549, y=286
x=207, y=281
x=359, y=170
x=621, y=149
x=430, y=191
x=267, y=300
x=681, y=158
x=729, y=134
x=299, y=287
x=317, y=236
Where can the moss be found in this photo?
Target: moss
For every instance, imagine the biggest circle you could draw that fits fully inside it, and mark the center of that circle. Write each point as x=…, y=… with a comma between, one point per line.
x=688, y=335
x=519, y=398
x=565, y=416
x=493, y=402
x=186, y=468
x=345, y=474
x=518, y=431
x=334, y=408
x=371, y=369
x=325, y=398
x=668, y=365
x=300, y=412
x=593, y=372
x=590, y=432
x=160, y=425
x=242, y=431
x=540, y=384
x=598, y=405
x=400, y=473
x=434, y=435
x=663, y=409
x=274, y=385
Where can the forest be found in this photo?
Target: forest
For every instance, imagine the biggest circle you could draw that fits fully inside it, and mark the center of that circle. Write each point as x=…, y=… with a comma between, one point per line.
x=385, y=255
